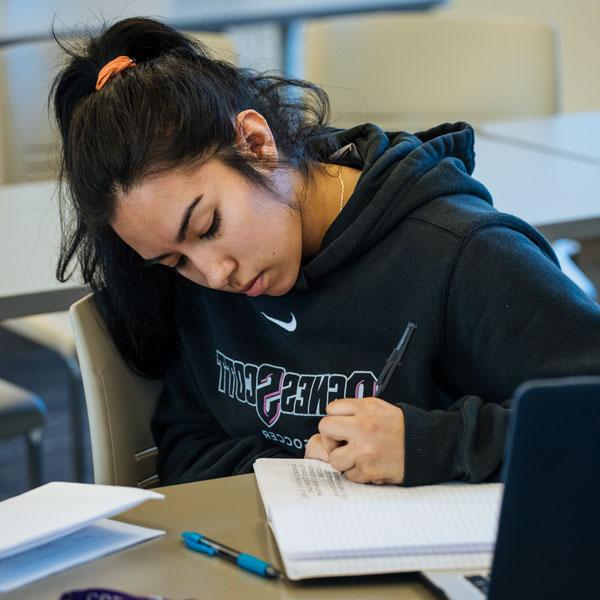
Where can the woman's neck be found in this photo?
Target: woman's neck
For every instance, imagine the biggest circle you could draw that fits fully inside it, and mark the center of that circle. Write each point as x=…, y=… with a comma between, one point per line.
x=326, y=195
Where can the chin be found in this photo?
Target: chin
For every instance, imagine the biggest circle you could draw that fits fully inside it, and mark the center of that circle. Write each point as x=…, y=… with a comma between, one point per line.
x=282, y=288
x=279, y=292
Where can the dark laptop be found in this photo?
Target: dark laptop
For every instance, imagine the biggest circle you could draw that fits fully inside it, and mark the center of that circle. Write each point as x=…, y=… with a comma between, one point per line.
x=548, y=543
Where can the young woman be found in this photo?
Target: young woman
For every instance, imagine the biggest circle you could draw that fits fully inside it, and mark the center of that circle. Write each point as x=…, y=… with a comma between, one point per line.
x=267, y=264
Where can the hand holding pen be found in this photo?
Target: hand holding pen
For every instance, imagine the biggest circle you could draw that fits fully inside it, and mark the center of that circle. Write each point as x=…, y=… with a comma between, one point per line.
x=364, y=437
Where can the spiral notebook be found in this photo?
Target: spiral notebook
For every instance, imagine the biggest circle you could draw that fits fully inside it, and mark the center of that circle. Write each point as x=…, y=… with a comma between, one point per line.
x=325, y=525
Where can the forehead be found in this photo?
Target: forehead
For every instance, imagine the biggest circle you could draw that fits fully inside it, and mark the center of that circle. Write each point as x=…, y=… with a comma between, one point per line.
x=167, y=187
x=147, y=216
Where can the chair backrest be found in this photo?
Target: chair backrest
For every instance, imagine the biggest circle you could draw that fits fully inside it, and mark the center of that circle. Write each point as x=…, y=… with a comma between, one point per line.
x=220, y=44
x=407, y=71
x=28, y=141
x=28, y=146
x=120, y=404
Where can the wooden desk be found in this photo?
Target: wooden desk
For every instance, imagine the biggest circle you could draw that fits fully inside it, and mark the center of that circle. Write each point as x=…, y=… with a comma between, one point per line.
x=558, y=195
x=229, y=510
x=571, y=135
x=29, y=245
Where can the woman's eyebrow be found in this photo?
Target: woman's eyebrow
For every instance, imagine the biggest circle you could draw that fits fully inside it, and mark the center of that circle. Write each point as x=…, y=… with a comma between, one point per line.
x=185, y=221
x=181, y=233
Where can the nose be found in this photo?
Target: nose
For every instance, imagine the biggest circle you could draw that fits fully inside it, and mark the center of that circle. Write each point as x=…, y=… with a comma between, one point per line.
x=218, y=274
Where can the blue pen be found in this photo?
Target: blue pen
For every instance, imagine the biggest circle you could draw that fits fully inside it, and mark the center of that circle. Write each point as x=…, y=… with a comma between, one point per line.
x=200, y=543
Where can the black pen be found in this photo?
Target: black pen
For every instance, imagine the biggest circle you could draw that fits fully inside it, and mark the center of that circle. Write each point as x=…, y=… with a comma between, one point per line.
x=200, y=543
x=394, y=359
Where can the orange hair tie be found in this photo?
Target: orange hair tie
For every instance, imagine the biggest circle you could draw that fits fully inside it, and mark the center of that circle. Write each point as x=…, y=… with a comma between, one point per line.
x=116, y=65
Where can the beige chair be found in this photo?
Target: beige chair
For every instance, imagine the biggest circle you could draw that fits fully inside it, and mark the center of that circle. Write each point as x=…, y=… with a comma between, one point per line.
x=220, y=45
x=28, y=149
x=410, y=71
x=120, y=404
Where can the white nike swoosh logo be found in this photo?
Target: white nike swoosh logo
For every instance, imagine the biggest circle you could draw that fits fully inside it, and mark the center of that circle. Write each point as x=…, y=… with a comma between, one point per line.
x=288, y=326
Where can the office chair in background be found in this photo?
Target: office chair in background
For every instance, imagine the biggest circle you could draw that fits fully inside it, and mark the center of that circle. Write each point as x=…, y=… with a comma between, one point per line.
x=413, y=71
x=23, y=413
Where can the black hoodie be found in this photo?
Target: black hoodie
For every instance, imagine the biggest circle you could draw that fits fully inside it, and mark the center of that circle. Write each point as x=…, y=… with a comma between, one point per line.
x=420, y=241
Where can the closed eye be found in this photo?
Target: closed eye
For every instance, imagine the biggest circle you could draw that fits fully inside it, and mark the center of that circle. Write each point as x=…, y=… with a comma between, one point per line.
x=210, y=233
x=214, y=227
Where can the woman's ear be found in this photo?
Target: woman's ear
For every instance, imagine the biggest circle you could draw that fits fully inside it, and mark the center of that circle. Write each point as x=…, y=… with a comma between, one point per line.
x=254, y=136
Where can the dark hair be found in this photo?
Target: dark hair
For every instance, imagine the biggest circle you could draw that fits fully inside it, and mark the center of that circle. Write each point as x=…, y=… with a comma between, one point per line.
x=175, y=108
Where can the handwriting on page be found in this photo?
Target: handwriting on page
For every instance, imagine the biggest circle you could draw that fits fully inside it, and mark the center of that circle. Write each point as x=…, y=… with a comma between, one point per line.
x=311, y=482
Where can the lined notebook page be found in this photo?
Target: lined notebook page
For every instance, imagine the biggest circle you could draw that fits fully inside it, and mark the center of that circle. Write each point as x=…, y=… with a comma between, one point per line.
x=384, y=529
x=327, y=525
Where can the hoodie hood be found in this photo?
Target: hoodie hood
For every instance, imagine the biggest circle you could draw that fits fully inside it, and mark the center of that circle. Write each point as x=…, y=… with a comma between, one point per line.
x=401, y=172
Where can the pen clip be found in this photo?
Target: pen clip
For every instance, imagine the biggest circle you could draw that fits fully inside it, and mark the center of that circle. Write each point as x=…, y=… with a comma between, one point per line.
x=193, y=541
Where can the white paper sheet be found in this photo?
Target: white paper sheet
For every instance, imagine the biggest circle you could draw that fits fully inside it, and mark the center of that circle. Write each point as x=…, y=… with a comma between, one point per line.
x=94, y=541
x=59, y=508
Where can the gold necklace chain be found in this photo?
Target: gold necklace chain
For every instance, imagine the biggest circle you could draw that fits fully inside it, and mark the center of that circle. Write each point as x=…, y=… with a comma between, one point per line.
x=342, y=193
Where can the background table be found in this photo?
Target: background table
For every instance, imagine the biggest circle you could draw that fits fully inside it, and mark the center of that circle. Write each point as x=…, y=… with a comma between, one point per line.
x=230, y=510
x=557, y=194
x=29, y=247
x=571, y=135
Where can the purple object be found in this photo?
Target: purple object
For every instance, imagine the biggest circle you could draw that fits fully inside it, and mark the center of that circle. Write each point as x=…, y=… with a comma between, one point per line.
x=104, y=594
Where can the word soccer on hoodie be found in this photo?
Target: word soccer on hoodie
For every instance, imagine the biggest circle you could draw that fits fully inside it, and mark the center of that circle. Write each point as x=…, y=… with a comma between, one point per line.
x=420, y=241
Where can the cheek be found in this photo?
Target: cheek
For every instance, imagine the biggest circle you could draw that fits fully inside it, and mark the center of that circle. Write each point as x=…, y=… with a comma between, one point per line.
x=261, y=229
x=285, y=254
x=293, y=239
x=270, y=233
x=284, y=243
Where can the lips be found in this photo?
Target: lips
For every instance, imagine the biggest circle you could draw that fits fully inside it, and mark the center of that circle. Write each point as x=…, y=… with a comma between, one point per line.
x=255, y=287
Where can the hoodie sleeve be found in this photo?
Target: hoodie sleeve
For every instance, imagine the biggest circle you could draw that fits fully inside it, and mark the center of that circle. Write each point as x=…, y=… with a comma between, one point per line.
x=511, y=315
x=192, y=446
